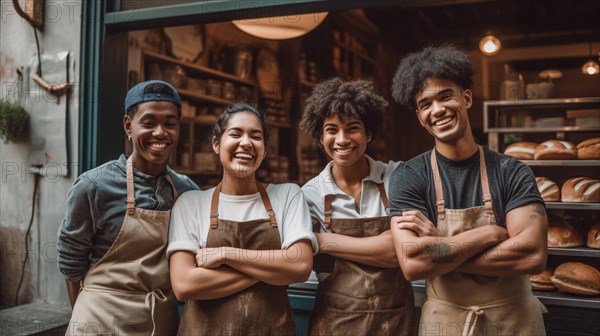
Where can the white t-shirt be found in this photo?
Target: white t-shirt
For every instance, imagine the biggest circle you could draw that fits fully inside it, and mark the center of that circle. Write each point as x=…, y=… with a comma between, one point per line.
x=190, y=217
x=342, y=205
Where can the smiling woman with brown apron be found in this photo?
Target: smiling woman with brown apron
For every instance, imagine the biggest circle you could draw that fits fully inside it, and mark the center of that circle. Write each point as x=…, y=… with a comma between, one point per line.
x=459, y=303
x=128, y=290
x=234, y=249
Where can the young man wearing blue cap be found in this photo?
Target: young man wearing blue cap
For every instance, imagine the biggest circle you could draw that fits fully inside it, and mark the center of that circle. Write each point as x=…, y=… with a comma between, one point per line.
x=112, y=241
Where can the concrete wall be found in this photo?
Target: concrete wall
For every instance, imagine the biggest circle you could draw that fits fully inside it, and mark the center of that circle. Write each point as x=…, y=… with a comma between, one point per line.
x=43, y=281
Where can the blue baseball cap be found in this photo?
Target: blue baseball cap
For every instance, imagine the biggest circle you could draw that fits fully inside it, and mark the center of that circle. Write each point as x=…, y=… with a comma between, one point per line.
x=139, y=94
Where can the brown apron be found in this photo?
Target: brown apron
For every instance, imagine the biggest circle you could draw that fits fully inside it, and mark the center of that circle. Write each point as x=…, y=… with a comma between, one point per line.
x=465, y=304
x=261, y=309
x=128, y=291
x=359, y=299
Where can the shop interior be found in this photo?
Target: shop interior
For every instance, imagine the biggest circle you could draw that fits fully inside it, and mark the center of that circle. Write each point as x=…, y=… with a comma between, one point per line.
x=532, y=89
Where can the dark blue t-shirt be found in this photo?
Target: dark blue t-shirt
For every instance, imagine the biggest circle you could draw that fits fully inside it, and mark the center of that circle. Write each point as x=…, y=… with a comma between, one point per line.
x=512, y=184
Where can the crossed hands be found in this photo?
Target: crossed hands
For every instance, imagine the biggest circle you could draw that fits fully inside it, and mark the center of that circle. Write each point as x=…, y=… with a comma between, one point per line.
x=416, y=222
x=210, y=257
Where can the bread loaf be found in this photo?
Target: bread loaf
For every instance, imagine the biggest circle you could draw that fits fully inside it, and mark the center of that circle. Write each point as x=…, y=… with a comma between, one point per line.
x=577, y=278
x=542, y=282
x=562, y=234
x=593, y=236
x=521, y=150
x=549, y=190
x=589, y=149
x=555, y=150
x=581, y=190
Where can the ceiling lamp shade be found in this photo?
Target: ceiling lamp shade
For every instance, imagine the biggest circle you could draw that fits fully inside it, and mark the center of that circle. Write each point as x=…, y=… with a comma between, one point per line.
x=281, y=27
x=489, y=45
x=590, y=67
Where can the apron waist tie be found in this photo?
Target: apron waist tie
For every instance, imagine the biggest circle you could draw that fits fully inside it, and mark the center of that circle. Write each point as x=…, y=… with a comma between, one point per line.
x=474, y=311
x=151, y=299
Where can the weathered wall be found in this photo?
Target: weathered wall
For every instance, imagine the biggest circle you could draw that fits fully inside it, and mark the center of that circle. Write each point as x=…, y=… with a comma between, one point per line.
x=43, y=281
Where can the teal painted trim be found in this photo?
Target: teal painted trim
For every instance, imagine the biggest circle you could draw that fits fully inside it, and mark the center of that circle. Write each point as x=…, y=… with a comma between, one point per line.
x=92, y=38
x=227, y=10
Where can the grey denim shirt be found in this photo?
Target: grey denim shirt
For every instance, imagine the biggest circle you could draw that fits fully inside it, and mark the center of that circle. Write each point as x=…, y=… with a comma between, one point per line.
x=96, y=206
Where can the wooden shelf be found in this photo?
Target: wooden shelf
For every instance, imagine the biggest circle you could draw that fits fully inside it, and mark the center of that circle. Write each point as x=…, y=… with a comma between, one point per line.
x=198, y=68
x=190, y=95
x=542, y=129
x=209, y=119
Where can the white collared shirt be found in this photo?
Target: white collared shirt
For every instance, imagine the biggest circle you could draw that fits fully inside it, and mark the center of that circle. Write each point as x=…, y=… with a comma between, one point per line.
x=342, y=205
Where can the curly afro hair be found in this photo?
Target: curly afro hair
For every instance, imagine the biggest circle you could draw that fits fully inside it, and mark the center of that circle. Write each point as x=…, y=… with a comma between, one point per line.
x=443, y=62
x=349, y=99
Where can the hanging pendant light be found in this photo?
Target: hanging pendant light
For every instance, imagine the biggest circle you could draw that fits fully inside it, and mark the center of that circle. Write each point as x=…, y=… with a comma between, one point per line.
x=281, y=27
x=490, y=45
x=590, y=67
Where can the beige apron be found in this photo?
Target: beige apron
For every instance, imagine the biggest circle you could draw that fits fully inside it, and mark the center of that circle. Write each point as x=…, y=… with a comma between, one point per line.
x=261, y=309
x=128, y=291
x=359, y=299
x=466, y=304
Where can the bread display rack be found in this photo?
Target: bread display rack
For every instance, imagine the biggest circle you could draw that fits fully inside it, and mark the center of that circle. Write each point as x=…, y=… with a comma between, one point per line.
x=575, y=120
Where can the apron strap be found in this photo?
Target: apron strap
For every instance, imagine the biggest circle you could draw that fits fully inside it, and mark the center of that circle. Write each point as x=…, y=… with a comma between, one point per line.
x=384, y=198
x=475, y=311
x=214, y=205
x=151, y=298
x=485, y=187
x=130, y=188
x=327, y=209
x=267, y=203
x=437, y=182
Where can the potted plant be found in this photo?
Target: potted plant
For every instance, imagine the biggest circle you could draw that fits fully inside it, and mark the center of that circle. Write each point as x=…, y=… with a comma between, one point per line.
x=14, y=122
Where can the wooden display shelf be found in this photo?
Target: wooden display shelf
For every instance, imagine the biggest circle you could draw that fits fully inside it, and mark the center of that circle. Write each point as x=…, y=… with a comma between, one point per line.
x=572, y=206
x=574, y=251
x=563, y=163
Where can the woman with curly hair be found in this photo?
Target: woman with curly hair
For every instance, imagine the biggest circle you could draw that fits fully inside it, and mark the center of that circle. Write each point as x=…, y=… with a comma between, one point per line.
x=361, y=288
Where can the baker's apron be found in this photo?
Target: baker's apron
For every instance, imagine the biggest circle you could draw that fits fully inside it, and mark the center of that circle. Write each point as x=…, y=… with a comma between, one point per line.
x=261, y=309
x=466, y=304
x=128, y=291
x=359, y=299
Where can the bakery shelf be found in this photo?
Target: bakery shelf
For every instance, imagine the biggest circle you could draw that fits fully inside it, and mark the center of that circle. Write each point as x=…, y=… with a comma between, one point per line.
x=543, y=102
x=201, y=98
x=574, y=251
x=198, y=68
x=573, y=206
x=564, y=299
x=563, y=163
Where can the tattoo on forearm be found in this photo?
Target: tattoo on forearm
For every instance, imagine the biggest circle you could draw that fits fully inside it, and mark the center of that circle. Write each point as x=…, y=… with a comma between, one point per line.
x=537, y=210
x=441, y=253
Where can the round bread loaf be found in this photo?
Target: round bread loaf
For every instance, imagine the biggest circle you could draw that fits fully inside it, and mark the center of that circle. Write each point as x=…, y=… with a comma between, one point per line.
x=562, y=234
x=577, y=278
x=541, y=281
x=555, y=150
x=581, y=190
x=589, y=149
x=548, y=189
x=593, y=236
x=521, y=150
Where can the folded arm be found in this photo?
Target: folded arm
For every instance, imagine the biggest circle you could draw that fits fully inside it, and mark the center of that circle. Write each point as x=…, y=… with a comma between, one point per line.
x=275, y=267
x=375, y=251
x=524, y=252
x=425, y=256
x=190, y=282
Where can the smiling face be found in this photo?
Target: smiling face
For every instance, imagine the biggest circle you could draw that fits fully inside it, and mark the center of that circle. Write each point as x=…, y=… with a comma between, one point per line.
x=154, y=131
x=241, y=148
x=344, y=142
x=442, y=110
